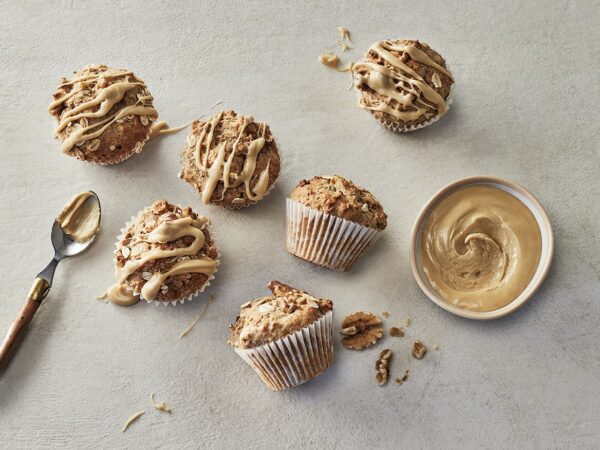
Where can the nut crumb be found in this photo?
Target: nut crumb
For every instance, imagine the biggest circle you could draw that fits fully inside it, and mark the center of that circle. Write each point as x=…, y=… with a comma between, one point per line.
x=403, y=379
x=382, y=367
x=406, y=322
x=435, y=79
x=385, y=314
x=419, y=350
x=396, y=332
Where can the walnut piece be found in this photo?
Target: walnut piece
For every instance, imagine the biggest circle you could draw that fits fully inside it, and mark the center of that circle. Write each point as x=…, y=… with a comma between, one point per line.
x=361, y=330
x=403, y=379
x=382, y=367
x=396, y=332
x=418, y=350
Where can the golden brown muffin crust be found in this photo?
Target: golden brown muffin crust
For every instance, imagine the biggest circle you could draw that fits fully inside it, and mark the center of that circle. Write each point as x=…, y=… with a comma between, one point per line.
x=134, y=246
x=340, y=197
x=228, y=132
x=267, y=319
x=123, y=137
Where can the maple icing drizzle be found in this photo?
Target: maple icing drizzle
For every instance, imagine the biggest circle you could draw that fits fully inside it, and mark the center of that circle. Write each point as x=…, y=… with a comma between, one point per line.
x=402, y=83
x=168, y=231
x=220, y=169
x=105, y=100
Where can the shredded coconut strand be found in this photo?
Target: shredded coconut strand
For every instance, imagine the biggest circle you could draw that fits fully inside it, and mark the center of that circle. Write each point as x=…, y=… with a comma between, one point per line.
x=132, y=419
x=188, y=329
x=160, y=406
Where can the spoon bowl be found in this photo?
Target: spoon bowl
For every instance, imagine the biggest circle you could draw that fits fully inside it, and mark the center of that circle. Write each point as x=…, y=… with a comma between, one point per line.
x=65, y=245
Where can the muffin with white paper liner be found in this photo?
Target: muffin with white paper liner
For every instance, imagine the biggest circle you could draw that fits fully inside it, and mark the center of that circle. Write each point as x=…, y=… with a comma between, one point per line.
x=404, y=84
x=287, y=338
x=166, y=254
x=332, y=222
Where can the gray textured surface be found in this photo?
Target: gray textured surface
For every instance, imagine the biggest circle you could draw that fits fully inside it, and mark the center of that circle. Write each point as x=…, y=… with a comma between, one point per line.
x=526, y=107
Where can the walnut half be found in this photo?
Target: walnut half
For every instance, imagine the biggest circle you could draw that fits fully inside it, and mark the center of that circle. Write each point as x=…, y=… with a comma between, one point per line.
x=361, y=330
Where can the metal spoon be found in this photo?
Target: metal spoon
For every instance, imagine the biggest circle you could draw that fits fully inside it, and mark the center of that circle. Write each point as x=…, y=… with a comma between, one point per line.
x=64, y=246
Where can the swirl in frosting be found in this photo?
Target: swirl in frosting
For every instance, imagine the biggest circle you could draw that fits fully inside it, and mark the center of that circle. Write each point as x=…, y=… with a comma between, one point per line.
x=480, y=248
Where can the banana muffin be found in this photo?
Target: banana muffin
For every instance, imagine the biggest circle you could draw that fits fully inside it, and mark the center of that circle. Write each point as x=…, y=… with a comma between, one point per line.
x=104, y=115
x=286, y=337
x=332, y=222
x=405, y=84
x=166, y=254
x=230, y=160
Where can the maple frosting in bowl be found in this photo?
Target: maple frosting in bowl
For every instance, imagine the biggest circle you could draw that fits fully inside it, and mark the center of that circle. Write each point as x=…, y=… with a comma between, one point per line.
x=481, y=247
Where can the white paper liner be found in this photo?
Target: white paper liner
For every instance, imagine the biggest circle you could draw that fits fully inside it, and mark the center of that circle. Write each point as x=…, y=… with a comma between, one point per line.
x=399, y=128
x=325, y=239
x=173, y=302
x=293, y=359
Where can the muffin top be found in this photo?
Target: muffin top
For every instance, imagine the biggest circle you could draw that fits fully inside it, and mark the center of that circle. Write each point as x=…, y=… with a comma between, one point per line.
x=269, y=318
x=340, y=197
x=231, y=160
x=166, y=253
x=104, y=115
x=403, y=81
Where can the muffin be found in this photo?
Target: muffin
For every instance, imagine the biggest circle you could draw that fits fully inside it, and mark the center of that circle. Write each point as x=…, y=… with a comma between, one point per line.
x=166, y=254
x=405, y=84
x=104, y=115
x=332, y=222
x=286, y=338
x=231, y=160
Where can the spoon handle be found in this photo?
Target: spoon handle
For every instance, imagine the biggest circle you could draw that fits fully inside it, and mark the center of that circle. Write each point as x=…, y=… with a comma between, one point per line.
x=17, y=329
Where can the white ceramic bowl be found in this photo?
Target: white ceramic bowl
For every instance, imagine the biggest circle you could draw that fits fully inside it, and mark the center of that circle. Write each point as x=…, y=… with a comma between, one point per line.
x=545, y=259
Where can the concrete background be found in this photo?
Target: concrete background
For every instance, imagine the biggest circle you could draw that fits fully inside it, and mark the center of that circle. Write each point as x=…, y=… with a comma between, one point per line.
x=526, y=107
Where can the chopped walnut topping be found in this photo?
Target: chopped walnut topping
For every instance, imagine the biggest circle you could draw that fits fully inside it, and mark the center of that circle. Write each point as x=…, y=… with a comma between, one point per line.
x=382, y=366
x=361, y=330
x=435, y=79
x=418, y=350
x=396, y=332
x=385, y=314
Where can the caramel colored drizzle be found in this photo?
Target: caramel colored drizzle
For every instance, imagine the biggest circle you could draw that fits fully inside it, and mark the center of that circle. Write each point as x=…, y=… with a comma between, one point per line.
x=106, y=99
x=79, y=218
x=401, y=84
x=162, y=127
x=220, y=169
x=166, y=232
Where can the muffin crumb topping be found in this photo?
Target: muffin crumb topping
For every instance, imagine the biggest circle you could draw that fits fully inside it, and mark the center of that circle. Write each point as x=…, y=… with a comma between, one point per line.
x=230, y=159
x=340, y=197
x=269, y=318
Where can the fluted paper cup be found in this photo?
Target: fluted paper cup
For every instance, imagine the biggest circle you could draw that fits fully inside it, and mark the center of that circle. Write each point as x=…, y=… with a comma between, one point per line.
x=172, y=302
x=325, y=239
x=294, y=359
